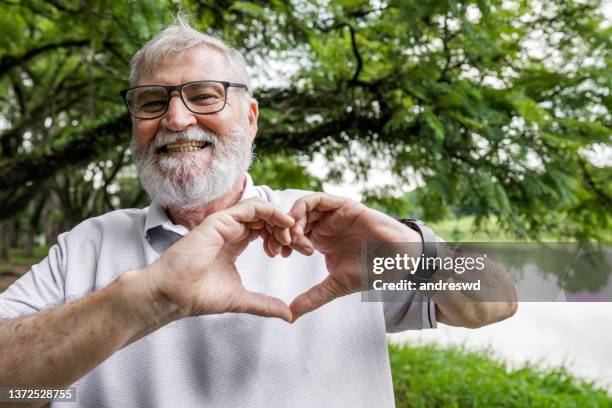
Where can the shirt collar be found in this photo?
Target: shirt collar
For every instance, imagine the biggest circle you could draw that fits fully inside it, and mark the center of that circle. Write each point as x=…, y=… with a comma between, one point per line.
x=156, y=214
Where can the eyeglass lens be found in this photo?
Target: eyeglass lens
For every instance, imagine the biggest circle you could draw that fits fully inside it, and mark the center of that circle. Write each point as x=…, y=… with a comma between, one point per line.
x=199, y=97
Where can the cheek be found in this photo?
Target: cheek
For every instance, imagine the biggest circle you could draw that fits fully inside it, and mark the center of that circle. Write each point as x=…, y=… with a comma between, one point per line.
x=220, y=123
x=144, y=130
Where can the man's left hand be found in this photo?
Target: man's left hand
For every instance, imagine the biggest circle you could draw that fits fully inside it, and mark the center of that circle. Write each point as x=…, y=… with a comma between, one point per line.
x=337, y=227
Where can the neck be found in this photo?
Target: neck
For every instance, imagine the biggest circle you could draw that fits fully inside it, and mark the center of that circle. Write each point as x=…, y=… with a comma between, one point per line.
x=193, y=217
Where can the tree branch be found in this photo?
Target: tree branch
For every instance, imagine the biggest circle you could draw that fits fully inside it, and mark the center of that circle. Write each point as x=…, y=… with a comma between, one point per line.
x=8, y=62
x=356, y=53
x=76, y=148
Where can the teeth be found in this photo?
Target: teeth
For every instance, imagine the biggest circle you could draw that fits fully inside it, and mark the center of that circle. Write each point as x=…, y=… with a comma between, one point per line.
x=182, y=144
x=185, y=146
x=183, y=149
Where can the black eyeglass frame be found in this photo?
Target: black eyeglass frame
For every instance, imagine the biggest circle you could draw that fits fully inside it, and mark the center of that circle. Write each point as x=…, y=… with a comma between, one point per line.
x=179, y=88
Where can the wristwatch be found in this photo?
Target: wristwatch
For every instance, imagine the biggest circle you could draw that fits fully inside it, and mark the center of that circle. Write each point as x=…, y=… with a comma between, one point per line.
x=430, y=249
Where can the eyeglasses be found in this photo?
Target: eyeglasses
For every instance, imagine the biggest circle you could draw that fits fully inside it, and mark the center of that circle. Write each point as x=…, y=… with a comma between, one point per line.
x=200, y=97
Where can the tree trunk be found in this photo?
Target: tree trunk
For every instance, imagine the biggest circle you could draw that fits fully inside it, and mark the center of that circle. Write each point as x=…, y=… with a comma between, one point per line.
x=7, y=233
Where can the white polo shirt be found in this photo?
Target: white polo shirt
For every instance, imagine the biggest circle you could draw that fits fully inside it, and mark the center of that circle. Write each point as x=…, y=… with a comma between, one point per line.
x=335, y=356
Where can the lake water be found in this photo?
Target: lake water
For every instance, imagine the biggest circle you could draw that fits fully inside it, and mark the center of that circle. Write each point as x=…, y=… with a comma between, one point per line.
x=576, y=335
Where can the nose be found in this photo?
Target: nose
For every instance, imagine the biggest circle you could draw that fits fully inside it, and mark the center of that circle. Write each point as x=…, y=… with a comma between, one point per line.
x=178, y=117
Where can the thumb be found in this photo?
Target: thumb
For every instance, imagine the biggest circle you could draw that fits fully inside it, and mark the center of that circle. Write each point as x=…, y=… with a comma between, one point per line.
x=263, y=305
x=313, y=298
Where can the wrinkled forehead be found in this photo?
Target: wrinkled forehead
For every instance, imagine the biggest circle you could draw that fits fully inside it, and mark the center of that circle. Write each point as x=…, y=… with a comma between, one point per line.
x=194, y=64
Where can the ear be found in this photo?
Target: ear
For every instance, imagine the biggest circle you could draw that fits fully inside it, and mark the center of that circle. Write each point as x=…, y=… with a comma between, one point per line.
x=253, y=114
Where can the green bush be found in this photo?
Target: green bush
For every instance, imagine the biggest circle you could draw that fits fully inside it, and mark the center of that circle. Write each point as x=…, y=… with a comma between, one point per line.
x=435, y=376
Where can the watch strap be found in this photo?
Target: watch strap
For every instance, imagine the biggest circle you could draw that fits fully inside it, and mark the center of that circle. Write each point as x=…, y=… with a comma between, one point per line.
x=430, y=248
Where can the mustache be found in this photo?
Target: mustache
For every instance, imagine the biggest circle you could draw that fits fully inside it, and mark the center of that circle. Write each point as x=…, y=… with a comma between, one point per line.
x=191, y=134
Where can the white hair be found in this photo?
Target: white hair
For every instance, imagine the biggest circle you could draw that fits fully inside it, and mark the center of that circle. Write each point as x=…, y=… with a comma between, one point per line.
x=174, y=40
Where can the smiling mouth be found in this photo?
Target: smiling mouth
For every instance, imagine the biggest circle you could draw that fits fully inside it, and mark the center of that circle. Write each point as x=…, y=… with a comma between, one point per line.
x=183, y=147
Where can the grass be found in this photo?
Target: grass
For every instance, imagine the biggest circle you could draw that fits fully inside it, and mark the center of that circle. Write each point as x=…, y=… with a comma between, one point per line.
x=462, y=230
x=17, y=257
x=430, y=375
x=19, y=253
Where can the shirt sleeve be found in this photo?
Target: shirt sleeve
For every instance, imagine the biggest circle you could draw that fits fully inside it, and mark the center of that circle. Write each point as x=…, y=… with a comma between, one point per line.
x=42, y=287
x=415, y=313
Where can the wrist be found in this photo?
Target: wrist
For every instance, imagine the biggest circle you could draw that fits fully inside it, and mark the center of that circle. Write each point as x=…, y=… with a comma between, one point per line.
x=412, y=238
x=147, y=302
x=429, y=247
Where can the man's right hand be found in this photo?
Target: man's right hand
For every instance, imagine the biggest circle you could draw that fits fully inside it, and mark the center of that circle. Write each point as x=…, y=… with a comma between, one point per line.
x=194, y=276
x=198, y=275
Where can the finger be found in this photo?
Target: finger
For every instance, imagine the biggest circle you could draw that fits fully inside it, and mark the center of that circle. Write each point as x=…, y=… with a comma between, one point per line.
x=314, y=215
x=301, y=228
x=253, y=210
x=274, y=245
x=263, y=305
x=303, y=244
x=297, y=229
x=302, y=249
x=282, y=235
x=298, y=241
x=306, y=243
x=321, y=202
x=257, y=225
x=313, y=298
x=286, y=252
x=310, y=217
x=308, y=228
x=265, y=236
x=253, y=235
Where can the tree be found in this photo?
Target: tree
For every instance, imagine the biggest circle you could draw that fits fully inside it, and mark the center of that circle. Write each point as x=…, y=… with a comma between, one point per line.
x=493, y=106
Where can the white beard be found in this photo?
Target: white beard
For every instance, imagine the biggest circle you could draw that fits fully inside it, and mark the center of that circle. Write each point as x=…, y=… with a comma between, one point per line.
x=186, y=183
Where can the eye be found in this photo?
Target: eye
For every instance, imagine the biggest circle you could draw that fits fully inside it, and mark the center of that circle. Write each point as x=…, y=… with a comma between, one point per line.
x=203, y=98
x=152, y=106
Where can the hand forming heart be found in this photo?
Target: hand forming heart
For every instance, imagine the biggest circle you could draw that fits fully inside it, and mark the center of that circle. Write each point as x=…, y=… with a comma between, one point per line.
x=336, y=227
x=198, y=272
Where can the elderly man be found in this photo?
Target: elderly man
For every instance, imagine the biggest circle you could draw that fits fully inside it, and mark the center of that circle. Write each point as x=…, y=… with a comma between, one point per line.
x=174, y=305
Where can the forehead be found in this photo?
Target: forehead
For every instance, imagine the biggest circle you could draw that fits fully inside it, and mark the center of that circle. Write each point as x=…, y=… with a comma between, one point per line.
x=193, y=65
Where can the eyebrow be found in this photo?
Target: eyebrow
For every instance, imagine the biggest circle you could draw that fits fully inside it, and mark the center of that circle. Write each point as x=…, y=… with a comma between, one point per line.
x=146, y=92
